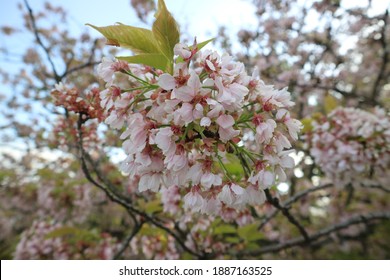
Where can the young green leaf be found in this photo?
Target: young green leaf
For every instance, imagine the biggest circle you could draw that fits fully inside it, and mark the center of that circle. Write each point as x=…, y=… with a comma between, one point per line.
x=139, y=40
x=155, y=60
x=224, y=229
x=166, y=31
x=204, y=43
x=250, y=232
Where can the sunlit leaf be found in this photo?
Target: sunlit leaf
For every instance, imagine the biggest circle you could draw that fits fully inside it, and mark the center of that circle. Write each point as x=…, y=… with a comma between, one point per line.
x=139, y=40
x=155, y=60
x=204, y=43
x=250, y=232
x=224, y=229
x=166, y=31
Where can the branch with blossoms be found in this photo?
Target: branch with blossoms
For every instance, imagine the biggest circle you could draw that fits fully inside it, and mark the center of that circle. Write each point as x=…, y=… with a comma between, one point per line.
x=198, y=122
x=115, y=196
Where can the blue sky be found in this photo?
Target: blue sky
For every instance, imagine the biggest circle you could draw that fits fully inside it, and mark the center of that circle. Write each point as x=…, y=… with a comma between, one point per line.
x=201, y=17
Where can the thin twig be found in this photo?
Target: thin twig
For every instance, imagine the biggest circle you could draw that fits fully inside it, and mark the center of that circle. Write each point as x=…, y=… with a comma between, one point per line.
x=275, y=202
x=40, y=42
x=89, y=63
x=291, y=200
x=300, y=241
x=125, y=244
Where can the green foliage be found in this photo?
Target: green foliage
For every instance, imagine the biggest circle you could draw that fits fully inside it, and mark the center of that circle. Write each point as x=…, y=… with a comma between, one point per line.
x=204, y=43
x=250, y=232
x=330, y=103
x=73, y=235
x=307, y=125
x=139, y=40
x=150, y=207
x=7, y=248
x=155, y=60
x=151, y=47
x=166, y=32
x=153, y=206
x=234, y=166
x=224, y=229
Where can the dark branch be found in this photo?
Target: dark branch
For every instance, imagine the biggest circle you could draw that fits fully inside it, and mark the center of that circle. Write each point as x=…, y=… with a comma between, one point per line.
x=275, y=202
x=40, y=42
x=300, y=241
x=117, y=199
x=89, y=63
x=133, y=233
x=385, y=57
x=291, y=200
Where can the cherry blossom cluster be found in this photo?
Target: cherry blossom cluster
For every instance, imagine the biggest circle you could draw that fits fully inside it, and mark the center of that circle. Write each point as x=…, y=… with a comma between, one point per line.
x=65, y=134
x=64, y=203
x=208, y=136
x=36, y=243
x=157, y=247
x=352, y=146
x=73, y=100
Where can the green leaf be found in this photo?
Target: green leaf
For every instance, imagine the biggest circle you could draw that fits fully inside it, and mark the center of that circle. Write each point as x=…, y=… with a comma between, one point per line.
x=153, y=206
x=139, y=40
x=72, y=234
x=250, y=232
x=307, y=125
x=202, y=44
x=232, y=240
x=330, y=103
x=155, y=60
x=224, y=229
x=166, y=31
x=234, y=166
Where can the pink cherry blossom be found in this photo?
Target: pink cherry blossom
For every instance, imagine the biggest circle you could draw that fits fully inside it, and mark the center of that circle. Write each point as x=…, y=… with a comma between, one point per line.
x=182, y=130
x=349, y=146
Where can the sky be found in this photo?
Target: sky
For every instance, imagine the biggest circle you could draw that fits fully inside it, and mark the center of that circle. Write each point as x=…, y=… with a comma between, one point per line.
x=201, y=17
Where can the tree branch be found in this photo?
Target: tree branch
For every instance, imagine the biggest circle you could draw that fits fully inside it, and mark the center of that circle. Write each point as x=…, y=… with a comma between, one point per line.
x=40, y=42
x=136, y=229
x=383, y=42
x=123, y=202
x=275, y=202
x=89, y=63
x=291, y=200
x=300, y=241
